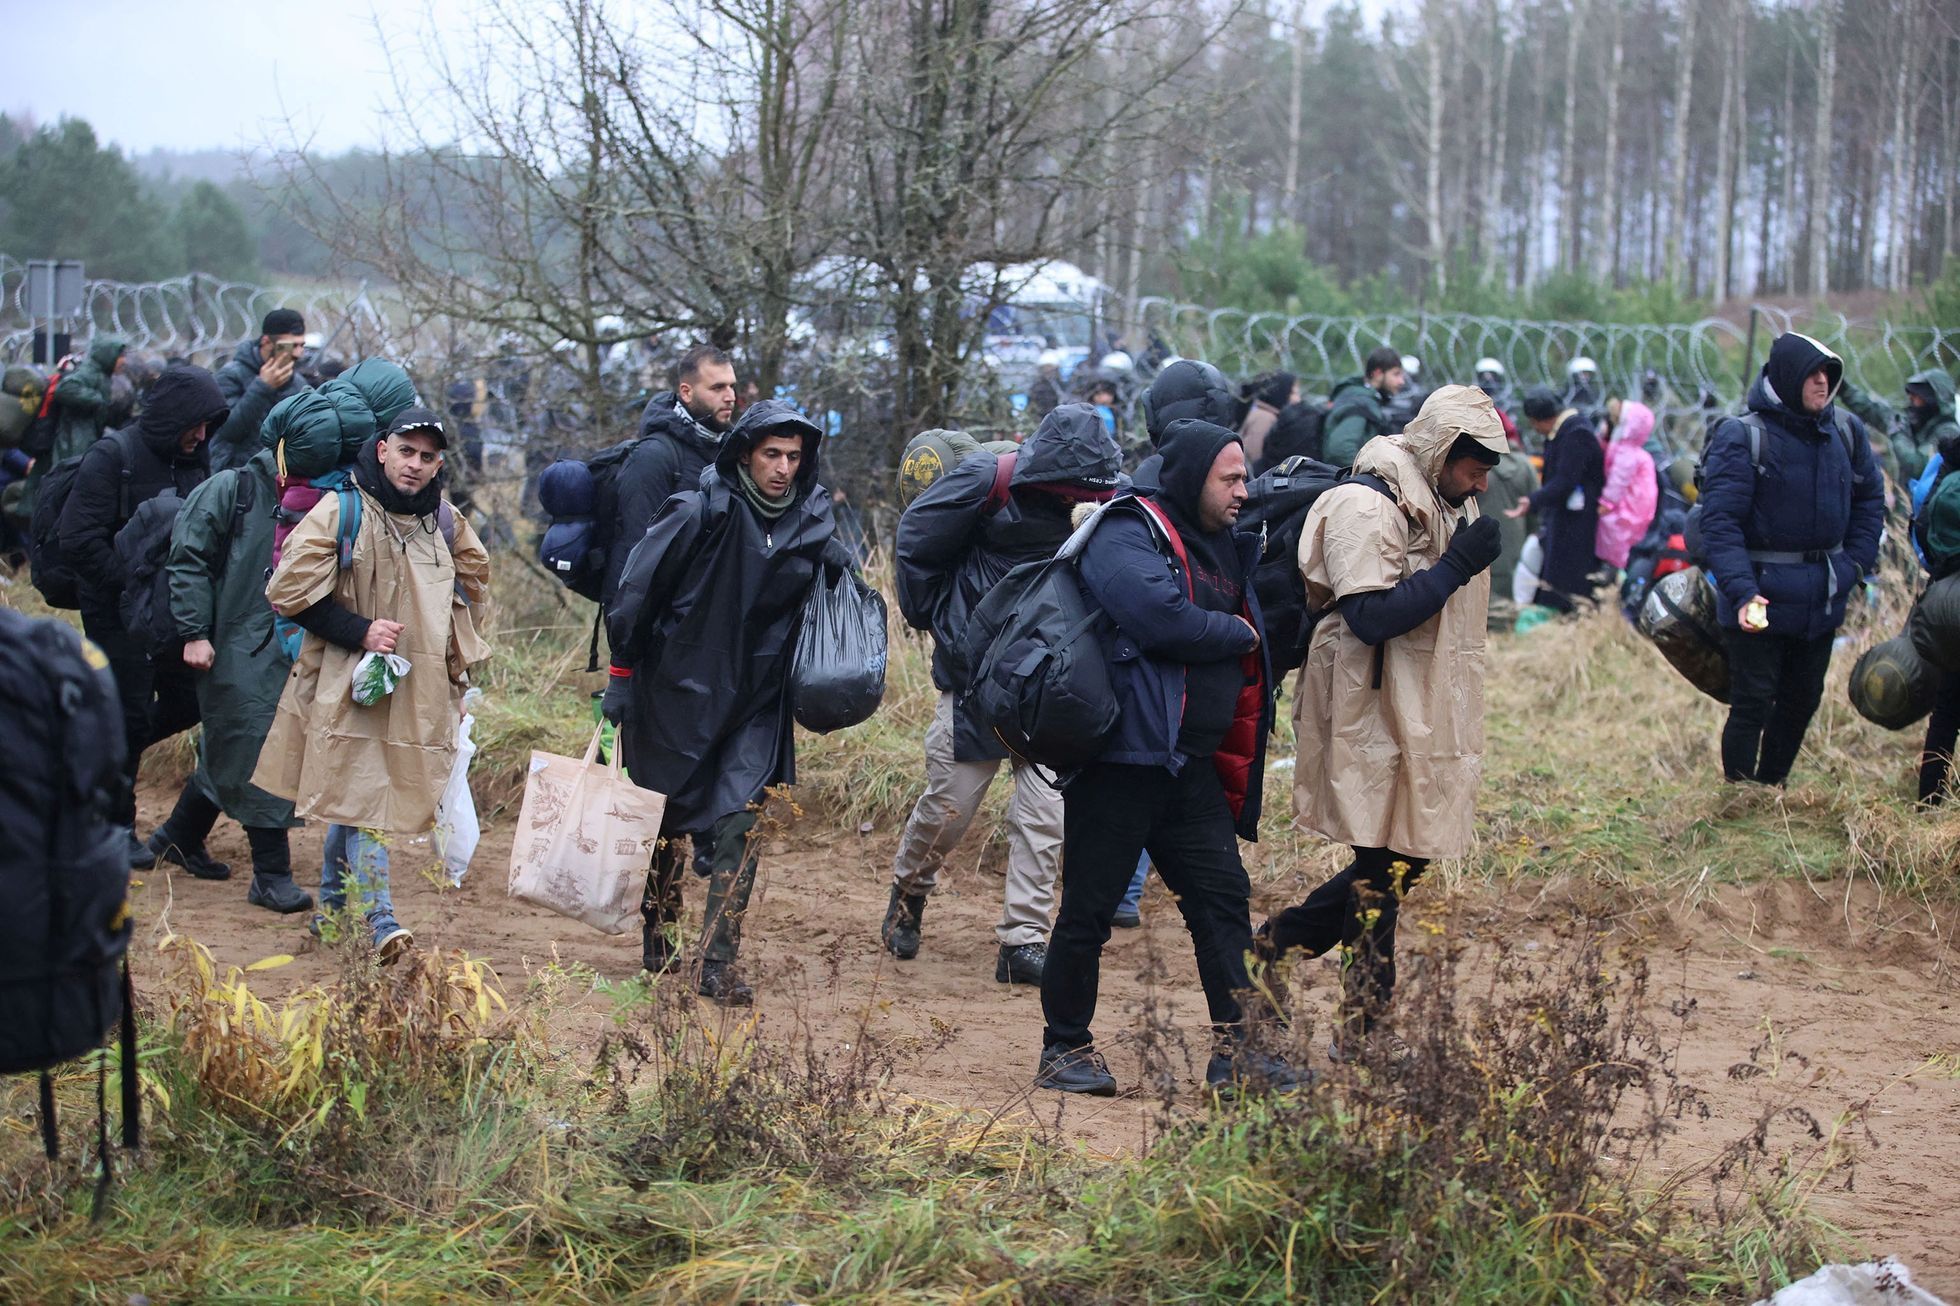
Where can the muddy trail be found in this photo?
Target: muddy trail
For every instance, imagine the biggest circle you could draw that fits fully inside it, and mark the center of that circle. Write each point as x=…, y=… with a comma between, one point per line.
x=1823, y=997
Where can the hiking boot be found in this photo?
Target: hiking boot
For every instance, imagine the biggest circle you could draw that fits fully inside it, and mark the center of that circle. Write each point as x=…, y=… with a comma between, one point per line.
x=1020, y=963
x=658, y=955
x=140, y=856
x=391, y=940
x=1245, y=1071
x=1074, y=1070
x=721, y=985
x=278, y=893
x=1126, y=920
x=195, y=860
x=900, y=931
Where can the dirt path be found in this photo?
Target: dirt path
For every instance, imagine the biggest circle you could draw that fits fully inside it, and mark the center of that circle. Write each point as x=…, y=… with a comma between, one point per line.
x=1849, y=1000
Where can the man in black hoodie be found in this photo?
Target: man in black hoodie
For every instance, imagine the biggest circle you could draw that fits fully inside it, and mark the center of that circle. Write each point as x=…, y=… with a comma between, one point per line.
x=1181, y=777
x=956, y=541
x=680, y=434
x=703, y=628
x=164, y=453
x=260, y=374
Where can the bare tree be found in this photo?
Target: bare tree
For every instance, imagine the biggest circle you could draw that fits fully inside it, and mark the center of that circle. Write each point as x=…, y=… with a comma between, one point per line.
x=1820, y=150
x=1684, y=84
x=1606, y=251
x=1568, y=161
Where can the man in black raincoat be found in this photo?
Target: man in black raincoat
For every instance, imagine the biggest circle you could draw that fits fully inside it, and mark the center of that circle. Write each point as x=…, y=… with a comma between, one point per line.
x=703, y=630
x=1568, y=500
x=956, y=541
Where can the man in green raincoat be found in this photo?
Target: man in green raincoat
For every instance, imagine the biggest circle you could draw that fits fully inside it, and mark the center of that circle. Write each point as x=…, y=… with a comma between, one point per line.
x=81, y=400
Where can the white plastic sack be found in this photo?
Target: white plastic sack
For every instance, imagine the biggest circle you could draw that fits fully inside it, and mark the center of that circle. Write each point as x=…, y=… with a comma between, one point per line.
x=376, y=675
x=584, y=839
x=1874, y=1283
x=1524, y=577
x=457, y=829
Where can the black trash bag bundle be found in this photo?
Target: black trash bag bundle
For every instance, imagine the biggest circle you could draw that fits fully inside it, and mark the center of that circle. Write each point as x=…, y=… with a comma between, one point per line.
x=1935, y=624
x=1891, y=685
x=838, y=677
x=1679, y=617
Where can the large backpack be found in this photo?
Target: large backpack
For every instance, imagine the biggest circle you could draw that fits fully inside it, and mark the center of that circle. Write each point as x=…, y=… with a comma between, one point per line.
x=64, y=863
x=1276, y=505
x=143, y=548
x=582, y=499
x=53, y=575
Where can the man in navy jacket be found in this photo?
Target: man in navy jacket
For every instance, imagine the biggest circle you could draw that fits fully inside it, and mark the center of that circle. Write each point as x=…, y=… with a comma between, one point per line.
x=1789, y=530
x=1181, y=776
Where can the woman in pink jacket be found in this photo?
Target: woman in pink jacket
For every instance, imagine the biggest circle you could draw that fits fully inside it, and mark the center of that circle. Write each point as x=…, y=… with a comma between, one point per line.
x=1627, y=504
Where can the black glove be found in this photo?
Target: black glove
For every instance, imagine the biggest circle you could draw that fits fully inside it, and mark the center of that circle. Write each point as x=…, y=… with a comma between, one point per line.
x=618, y=699
x=1474, y=547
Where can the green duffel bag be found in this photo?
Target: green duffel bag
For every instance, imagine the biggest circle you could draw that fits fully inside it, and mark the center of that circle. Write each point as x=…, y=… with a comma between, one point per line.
x=1891, y=685
x=928, y=456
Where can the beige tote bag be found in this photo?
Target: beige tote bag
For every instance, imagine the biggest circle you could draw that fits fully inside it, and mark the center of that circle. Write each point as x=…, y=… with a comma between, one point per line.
x=584, y=839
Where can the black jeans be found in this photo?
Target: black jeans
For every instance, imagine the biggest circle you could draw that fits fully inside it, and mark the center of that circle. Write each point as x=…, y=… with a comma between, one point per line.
x=1357, y=909
x=1775, y=684
x=157, y=700
x=1942, y=732
x=1111, y=814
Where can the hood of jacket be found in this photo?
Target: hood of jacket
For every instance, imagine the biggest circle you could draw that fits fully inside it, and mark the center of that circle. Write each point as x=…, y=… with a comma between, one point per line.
x=1939, y=382
x=1411, y=460
x=1190, y=448
x=1352, y=388
x=183, y=397
x=1636, y=424
x=1186, y=388
x=313, y=430
x=383, y=386
x=770, y=417
x=247, y=355
x=1779, y=388
x=103, y=351
x=1072, y=447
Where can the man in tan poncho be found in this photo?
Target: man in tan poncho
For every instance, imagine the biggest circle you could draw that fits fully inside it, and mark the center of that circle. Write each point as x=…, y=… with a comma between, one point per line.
x=1389, y=706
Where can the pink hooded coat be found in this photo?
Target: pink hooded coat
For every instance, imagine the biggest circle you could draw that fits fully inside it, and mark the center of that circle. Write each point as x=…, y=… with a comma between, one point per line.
x=1627, y=505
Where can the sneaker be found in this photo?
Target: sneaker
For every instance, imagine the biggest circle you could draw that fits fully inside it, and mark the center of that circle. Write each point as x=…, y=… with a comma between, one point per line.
x=140, y=856
x=722, y=986
x=1126, y=920
x=1246, y=1070
x=1074, y=1070
x=1020, y=963
x=391, y=940
x=195, y=860
x=900, y=930
x=278, y=893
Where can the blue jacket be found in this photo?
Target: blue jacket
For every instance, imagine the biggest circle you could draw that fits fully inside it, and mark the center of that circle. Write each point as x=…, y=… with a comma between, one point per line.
x=1155, y=630
x=1818, y=508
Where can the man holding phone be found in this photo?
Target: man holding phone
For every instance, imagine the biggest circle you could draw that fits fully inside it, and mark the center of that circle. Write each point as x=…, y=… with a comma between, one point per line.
x=261, y=373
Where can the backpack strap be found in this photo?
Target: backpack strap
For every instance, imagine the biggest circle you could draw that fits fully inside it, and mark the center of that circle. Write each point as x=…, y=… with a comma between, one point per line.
x=1003, y=473
x=350, y=524
x=1168, y=534
x=126, y=439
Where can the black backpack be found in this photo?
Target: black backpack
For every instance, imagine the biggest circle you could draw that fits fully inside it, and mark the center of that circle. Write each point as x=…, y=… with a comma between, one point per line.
x=1300, y=431
x=143, y=548
x=1276, y=505
x=581, y=497
x=59, y=585
x=64, y=864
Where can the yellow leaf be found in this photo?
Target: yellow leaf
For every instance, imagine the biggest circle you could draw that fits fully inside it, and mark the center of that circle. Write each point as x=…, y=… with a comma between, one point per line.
x=271, y=963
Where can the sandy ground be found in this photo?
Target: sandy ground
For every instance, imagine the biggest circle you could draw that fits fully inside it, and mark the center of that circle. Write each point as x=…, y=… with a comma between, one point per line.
x=1846, y=999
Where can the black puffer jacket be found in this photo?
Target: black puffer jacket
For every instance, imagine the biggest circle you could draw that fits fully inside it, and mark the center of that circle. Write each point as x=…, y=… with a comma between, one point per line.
x=705, y=618
x=952, y=550
x=674, y=450
x=234, y=443
x=100, y=503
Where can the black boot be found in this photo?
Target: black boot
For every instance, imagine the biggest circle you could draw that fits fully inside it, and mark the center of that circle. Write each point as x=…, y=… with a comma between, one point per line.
x=180, y=839
x=272, y=873
x=900, y=931
x=720, y=984
x=140, y=856
x=657, y=952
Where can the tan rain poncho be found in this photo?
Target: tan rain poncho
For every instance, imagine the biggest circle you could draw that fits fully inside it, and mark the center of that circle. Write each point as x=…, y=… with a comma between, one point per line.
x=1396, y=767
x=381, y=767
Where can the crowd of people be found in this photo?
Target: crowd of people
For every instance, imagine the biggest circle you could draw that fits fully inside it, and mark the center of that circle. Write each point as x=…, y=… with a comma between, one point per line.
x=324, y=603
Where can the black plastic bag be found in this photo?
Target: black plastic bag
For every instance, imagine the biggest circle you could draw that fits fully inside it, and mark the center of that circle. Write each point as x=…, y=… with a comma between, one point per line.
x=838, y=678
x=1892, y=686
x=1679, y=616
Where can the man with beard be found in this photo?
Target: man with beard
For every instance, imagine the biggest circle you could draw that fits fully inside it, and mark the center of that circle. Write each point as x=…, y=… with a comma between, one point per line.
x=703, y=629
x=1358, y=407
x=261, y=373
x=680, y=433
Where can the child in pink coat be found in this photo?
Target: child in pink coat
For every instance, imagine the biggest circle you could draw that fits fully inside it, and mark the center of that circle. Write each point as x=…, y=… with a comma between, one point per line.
x=1627, y=504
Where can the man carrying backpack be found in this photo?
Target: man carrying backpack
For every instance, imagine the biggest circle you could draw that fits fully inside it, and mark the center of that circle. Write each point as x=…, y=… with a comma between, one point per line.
x=967, y=530
x=1180, y=776
x=703, y=630
x=1389, y=707
x=1358, y=408
x=81, y=400
x=163, y=453
x=1791, y=514
x=220, y=550
x=680, y=433
x=260, y=374
x=413, y=575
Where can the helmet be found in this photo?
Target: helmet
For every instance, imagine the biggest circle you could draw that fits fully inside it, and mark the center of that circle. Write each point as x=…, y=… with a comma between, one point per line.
x=1117, y=363
x=1488, y=366
x=1581, y=364
x=1411, y=366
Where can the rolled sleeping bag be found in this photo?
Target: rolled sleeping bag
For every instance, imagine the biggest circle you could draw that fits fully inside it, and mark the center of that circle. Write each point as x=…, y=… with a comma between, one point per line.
x=1935, y=624
x=928, y=456
x=1891, y=685
x=1679, y=617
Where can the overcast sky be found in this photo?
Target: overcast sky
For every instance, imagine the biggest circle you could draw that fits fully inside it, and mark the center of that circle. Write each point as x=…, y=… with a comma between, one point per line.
x=207, y=74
